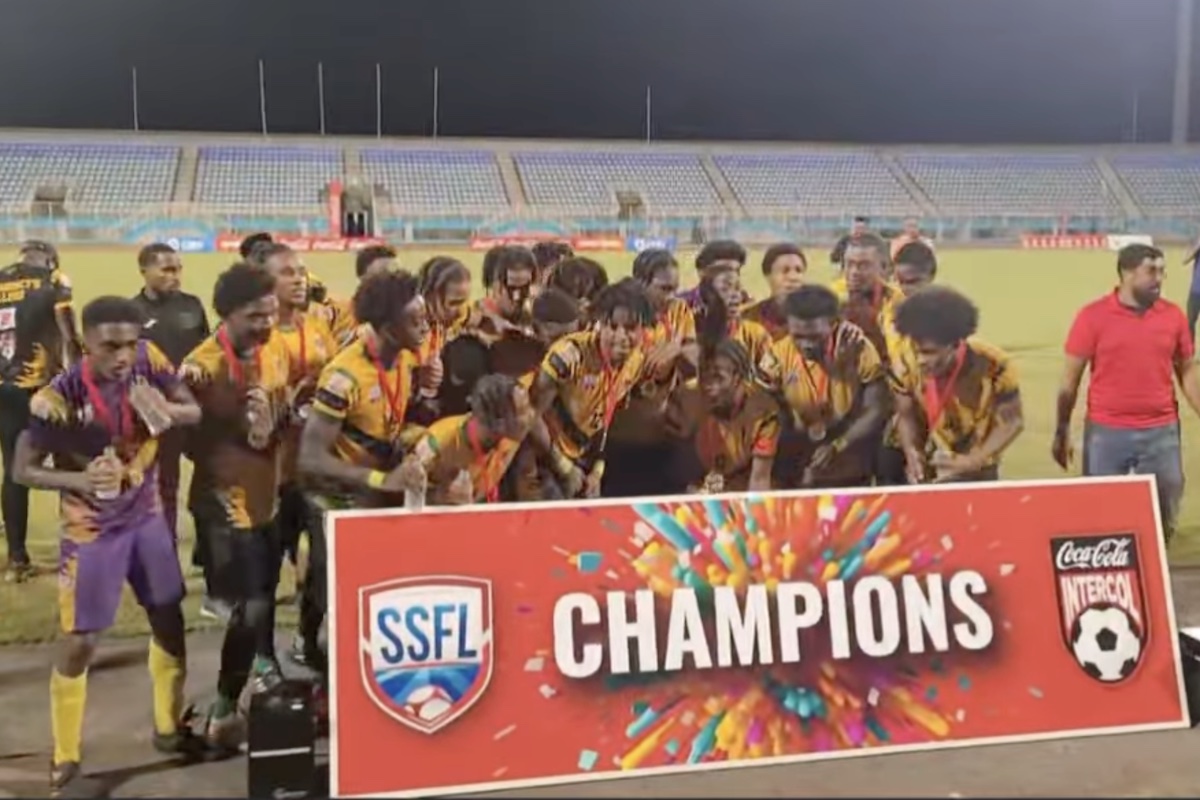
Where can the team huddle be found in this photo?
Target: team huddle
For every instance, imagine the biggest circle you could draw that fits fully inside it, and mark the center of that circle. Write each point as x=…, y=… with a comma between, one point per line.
x=558, y=384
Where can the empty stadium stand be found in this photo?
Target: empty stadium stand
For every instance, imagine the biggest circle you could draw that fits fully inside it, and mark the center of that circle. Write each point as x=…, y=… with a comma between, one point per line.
x=437, y=180
x=265, y=177
x=590, y=181
x=824, y=183
x=1161, y=183
x=1038, y=183
x=97, y=177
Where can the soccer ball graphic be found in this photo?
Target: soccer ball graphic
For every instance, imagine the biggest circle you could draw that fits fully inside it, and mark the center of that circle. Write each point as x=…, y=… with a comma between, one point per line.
x=427, y=703
x=1106, y=642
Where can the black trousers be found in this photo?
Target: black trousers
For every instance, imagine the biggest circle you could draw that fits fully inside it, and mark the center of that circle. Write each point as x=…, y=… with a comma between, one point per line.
x=14, y=498
x=1193, y=311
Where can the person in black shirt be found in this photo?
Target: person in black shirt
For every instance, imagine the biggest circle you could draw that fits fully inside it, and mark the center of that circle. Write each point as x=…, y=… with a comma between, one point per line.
x=176, y=323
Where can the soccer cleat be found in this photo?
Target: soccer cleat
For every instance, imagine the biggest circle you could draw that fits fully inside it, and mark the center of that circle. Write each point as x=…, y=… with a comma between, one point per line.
x=298, y=653
x=64, y=778
x=212, y=608
x=184, y=742
x=265, y=675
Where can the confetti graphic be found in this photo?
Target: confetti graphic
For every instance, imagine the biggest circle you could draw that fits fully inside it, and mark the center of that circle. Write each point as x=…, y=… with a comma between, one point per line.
x=543, y=720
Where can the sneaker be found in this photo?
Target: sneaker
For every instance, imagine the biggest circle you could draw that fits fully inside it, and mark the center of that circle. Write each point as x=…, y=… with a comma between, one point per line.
x=224, y=729
x=19, y=572
x=265, y=675
x=214, y=609
x=65, y=778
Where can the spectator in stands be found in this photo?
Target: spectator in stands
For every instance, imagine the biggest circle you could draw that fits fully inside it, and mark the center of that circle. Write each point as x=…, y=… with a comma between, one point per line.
x=1136, y=344
x=910, y=235
x=857, y=229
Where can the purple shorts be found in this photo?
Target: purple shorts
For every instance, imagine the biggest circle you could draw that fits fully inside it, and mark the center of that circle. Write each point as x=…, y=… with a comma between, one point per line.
x=91, y=575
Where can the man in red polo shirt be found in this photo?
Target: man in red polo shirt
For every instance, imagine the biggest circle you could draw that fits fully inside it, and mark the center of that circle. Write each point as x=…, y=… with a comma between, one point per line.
x=1136, y=344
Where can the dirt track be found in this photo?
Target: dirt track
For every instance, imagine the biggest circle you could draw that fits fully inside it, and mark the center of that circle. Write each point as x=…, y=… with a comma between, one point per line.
x=122, y=764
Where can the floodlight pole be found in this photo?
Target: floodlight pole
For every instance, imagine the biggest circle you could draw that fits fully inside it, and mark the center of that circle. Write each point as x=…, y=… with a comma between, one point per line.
x=1181, y=107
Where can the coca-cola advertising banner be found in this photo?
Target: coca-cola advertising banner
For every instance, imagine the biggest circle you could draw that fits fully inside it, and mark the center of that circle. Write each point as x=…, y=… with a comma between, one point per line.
x=1065, y=241
x=579, y=244
x=501, y=646
x=228, y=243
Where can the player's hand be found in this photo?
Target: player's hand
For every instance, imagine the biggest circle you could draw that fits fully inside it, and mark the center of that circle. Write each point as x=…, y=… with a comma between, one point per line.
x=914, y=466
x=714, y=483
x=573, y=481
x=151, y=406
x=848, y=343
x=952, y=466
x=408, y=477
x=429, y=375
x=662, y=357
x=104, y=474
x=1062, y=450
x=591, y=486
x=461, y=491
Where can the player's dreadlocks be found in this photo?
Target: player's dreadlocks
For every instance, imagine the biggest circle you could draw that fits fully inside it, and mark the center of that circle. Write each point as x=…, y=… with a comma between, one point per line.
x=505, y=258
x=239, y=286
x=628, y=294
x=713, y=321
x=382, y=298
x=652, y=261
x=492, y=398
x=262, y=252
x=720, y=250
x=556, y=306
x=811, y=301
x=937, y=314
x=439, y=272
x=581, y=278
x=547, y=254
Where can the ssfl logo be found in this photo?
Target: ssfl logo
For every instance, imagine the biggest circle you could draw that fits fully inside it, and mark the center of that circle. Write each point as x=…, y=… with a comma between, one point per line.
x=426, y=647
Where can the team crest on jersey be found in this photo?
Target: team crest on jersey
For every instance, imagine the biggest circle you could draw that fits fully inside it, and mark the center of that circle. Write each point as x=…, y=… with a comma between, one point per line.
x=1101, y=603
x=426, y=647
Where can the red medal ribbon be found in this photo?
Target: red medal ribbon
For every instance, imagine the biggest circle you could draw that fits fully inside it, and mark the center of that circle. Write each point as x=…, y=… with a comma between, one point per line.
x=935, y=400
x=392, y=393
x=491, y=492
x=820, y=387
x=116, y=427
x=235, y=363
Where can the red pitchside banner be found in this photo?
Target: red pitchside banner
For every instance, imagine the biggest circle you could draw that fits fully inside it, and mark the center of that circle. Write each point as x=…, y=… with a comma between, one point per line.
x=578, y=243
x=516, y=645
x=1065, y=241
x=227, y=243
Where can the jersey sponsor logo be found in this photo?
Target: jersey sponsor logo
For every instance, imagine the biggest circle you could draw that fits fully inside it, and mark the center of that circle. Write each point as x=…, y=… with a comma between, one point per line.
x=426, y=647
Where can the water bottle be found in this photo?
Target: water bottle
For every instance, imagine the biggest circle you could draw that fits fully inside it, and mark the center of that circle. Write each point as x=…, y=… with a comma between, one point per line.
x=113, y=494
x=414, y=499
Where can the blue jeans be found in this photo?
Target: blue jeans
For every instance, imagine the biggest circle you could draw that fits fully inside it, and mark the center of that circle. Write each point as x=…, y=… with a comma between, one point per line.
x=1139, y=451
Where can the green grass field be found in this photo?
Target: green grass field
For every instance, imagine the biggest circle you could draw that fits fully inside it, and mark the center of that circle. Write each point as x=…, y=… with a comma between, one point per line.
x=1027, y=299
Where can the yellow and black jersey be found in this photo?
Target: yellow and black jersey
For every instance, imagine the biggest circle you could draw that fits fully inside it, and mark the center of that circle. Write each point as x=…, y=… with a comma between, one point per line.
x=371, y=411
x=31, y=346
x=454, y=444
x=310, y=346
x=241, y=479
x=726, y=445
x=588, y=392
x=876, y=315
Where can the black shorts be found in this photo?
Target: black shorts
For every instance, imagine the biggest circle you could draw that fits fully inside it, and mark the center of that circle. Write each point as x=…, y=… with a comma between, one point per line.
x=293, y=518
x=244, y=562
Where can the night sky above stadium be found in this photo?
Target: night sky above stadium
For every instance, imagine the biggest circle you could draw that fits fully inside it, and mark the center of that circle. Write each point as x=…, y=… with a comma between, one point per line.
x=1064, y=71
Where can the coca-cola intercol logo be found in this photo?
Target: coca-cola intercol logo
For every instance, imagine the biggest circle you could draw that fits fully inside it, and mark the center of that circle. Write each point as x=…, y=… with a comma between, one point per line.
x=1101, y=603
x=1110, y=552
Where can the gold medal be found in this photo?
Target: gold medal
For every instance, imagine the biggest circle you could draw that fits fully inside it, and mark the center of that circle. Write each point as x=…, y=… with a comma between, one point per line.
x=135, y=477
x=816, y=432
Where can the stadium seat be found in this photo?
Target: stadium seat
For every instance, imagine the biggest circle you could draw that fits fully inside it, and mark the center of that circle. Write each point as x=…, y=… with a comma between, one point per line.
x=265, y=177
x=589, y=181
x=824, y=183
x=997, y=183
x=1161, y=183
x=437, y=180
x=98, y=177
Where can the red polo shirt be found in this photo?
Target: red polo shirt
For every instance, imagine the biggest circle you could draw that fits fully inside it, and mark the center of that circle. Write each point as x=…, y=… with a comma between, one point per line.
x=1132, y=356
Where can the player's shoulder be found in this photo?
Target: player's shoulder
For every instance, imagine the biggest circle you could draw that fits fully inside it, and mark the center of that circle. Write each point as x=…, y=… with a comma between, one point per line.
x=156, y=359
x=754, y=331
x=839, y=287
x=204, y=361
x=760, y=401
x=568, y=352
x=50, y=403
x=985, y=351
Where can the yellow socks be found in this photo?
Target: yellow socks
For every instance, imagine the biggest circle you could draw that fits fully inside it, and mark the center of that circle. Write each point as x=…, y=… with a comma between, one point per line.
x=68, y=696
x=167, y=674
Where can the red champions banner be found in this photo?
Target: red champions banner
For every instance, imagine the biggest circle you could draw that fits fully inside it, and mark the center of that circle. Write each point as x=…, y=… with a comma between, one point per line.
x=228, y=243
x=510, y=646
x=1065, y=241
x=578, y=243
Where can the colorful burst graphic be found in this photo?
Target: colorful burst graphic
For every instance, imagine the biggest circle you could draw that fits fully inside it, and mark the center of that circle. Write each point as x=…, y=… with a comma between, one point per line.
x=818, y=705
